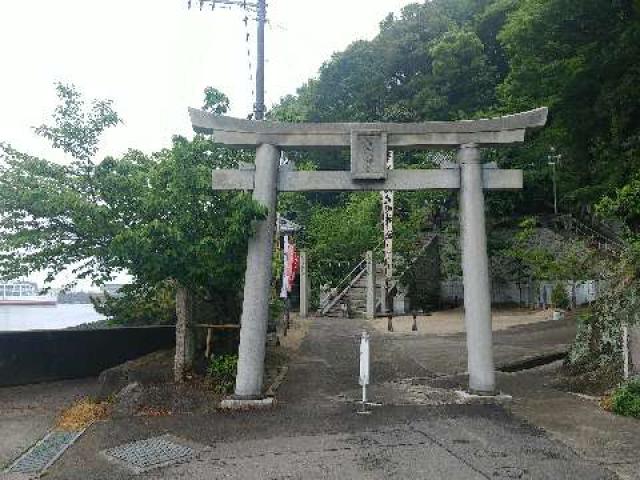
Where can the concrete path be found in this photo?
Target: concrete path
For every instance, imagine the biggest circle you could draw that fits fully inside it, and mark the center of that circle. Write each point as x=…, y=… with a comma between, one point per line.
x=314, y=432
x=28, y=412
x=598, y=436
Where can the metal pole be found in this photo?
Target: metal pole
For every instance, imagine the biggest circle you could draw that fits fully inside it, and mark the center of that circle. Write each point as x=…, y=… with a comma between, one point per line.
x=555, y=190
x=261, y=8
x=262, y=17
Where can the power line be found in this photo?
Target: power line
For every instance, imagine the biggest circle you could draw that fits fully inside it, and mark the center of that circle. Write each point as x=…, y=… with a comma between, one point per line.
x=260, y=8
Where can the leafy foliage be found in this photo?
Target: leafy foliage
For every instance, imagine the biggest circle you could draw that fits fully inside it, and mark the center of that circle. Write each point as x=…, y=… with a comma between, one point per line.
x=215, y=101
x=140, y=304
x=75, y=130
x=451, y=59
x=155, y=216
x=559, y=297
x=222, y=372
x=626, y=399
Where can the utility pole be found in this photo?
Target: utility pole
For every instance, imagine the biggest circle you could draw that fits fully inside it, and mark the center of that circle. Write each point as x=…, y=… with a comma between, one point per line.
x=260, y=8
x=553, y=161
x=262, y=18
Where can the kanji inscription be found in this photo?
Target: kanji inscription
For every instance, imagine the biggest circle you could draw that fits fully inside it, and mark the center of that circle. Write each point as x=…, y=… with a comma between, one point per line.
x=368, y=155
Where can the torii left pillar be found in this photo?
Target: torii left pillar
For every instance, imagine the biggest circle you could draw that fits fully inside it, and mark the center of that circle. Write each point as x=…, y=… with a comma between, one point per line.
x=257, y=279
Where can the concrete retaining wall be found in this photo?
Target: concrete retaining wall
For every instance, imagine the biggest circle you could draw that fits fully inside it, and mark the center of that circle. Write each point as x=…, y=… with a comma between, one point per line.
x=539, y=293
x=46, y=355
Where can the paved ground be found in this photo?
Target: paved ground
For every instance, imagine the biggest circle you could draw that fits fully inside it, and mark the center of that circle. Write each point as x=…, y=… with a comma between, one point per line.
x=601, y=437
x=28, y=412
x=448, y=322
x=315, y=433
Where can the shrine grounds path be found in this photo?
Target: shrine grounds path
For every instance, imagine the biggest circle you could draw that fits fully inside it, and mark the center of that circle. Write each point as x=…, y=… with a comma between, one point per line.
x=314, y=432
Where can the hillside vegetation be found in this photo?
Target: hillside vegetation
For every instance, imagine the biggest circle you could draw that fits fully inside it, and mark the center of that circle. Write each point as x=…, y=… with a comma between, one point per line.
x=457, y=59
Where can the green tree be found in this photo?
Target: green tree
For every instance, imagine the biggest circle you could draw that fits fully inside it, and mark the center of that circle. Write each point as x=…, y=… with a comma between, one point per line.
x=153, y=216
x=582, y=60
x=50, y=214
x=215, y=101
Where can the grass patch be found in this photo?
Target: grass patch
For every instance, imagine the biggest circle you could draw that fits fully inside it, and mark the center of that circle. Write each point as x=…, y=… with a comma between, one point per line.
x=222, y=373
x=625, y=400
x=82, y=414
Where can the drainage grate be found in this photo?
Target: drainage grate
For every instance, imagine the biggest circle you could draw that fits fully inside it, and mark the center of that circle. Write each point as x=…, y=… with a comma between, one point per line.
x=39, y=457
x=151, y=453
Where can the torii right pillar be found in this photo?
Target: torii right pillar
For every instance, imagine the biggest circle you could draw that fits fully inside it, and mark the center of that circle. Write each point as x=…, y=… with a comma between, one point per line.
x=475, y=268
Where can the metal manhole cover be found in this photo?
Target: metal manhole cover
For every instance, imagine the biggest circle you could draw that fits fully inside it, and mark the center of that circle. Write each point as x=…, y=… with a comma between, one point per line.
x=42, y=455
x=150, y=453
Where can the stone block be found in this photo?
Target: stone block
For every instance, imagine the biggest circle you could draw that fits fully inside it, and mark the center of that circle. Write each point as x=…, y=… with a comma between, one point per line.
x=368, y=155
x=400, y=304
x=240, y=404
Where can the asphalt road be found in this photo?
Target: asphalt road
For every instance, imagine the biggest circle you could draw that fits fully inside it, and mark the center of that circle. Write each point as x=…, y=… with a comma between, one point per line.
x=315, y=433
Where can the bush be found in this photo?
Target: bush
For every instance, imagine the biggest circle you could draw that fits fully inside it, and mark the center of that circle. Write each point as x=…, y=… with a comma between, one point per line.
x=626, y=399
x=139, y=304
x=559, y=297
x=222, y=372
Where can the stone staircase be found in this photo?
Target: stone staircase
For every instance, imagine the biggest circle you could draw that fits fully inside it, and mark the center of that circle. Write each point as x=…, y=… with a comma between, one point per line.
x=352, y=300
x=598, y=235
x=349, y=297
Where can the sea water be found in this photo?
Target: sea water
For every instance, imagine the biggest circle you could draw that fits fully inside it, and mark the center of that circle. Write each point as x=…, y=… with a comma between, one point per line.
x=46, y=317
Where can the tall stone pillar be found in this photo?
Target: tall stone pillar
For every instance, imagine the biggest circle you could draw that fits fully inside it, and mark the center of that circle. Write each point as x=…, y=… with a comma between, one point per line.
x=371, y=285
x=304, y=285
x=475, y=268
x=257, y=279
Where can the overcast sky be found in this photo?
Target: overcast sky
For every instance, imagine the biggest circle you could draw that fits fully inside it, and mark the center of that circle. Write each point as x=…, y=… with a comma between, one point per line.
x=154, y=58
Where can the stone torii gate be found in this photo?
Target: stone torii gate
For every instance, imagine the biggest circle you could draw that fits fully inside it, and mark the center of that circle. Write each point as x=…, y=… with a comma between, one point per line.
x=369, y=143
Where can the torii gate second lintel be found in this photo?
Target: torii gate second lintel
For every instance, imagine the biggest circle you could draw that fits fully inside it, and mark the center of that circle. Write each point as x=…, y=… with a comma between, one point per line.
x=369, y=144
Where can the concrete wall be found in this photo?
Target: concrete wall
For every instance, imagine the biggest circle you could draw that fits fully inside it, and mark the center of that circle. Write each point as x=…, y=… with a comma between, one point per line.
x=46, y=355
x=452, y=292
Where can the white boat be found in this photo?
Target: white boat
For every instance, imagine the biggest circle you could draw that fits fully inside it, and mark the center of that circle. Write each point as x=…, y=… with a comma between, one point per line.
x=24, y=293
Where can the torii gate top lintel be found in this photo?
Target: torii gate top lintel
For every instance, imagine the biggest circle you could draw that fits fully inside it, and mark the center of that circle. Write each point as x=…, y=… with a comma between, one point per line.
x=369, y=143
x=239, y=133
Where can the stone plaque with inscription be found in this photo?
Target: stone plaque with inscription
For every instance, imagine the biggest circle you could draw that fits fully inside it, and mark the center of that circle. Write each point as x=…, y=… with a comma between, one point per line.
x=368, y=155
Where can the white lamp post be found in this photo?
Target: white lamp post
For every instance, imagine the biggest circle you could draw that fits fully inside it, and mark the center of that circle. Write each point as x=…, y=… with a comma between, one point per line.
x=553, y=161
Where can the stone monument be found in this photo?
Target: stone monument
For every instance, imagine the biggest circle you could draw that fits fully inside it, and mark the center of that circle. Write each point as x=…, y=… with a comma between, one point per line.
x=369, y=144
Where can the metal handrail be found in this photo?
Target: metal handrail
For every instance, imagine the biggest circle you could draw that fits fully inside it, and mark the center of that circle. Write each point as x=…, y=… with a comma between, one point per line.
x=331, y=301
x=396, y=279
x=338, y=291
x=610, y=242
x=348, y=277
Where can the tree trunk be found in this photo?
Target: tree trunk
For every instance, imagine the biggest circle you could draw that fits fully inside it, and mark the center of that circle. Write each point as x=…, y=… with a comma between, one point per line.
x=185, y=341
